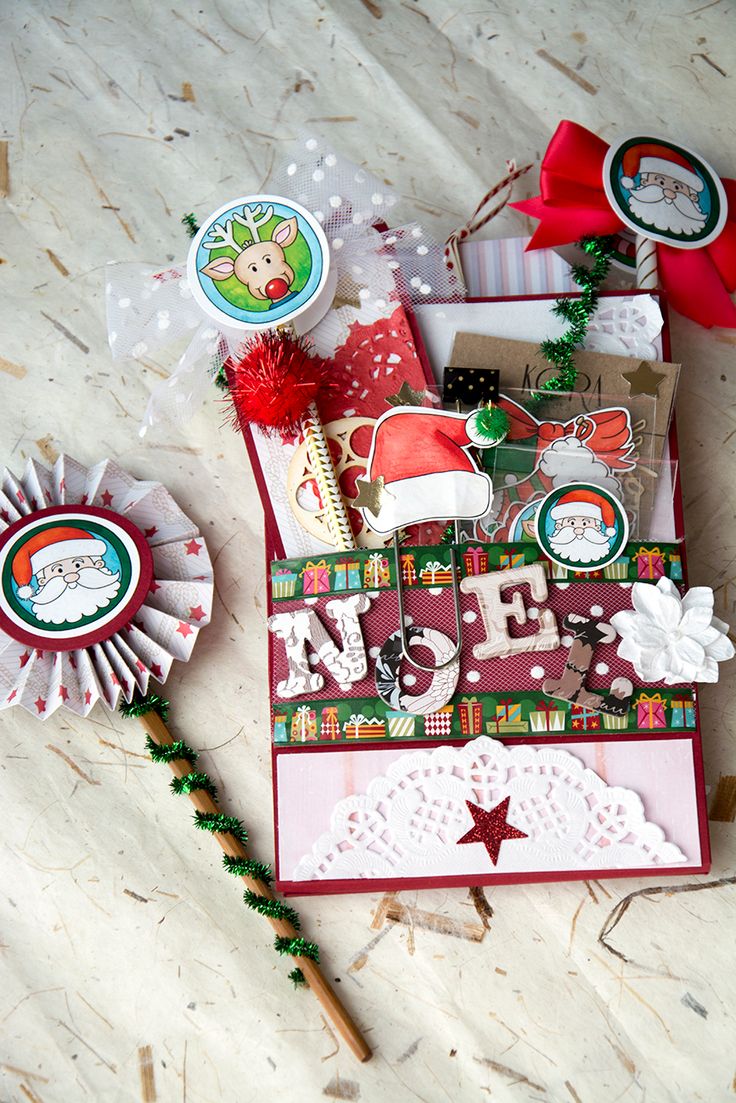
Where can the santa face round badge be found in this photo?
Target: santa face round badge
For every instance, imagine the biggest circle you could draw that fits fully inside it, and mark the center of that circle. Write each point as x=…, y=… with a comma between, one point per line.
x=71, y=576
x=261, y=261
x=664, y=192
x=581, y=526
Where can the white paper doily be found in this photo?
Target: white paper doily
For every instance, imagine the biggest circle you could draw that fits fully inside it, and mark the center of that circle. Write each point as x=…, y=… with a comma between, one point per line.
x=408, y=822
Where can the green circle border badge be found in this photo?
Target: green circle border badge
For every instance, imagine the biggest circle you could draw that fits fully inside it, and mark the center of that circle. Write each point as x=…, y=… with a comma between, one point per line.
x=664, y=191
x=581, y=527
x=71, y=576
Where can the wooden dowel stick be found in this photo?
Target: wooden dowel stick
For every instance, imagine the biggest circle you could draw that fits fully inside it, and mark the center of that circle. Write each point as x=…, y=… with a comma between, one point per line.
x=203, y=802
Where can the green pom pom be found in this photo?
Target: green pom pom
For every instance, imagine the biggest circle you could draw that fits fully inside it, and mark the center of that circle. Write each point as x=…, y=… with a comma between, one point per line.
x=487, y=426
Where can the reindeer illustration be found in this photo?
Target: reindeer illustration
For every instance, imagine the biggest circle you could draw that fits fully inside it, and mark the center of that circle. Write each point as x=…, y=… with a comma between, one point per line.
x=260, y=265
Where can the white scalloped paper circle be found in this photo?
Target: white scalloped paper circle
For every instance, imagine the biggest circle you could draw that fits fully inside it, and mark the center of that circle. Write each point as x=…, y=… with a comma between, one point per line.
x=164, y=628
x=409, y=820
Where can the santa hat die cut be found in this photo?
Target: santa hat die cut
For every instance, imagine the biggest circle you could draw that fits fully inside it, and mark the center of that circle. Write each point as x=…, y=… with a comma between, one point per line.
x=420, y=469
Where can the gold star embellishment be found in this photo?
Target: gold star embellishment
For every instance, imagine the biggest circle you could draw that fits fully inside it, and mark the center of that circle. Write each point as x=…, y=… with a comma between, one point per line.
x=406, y=396
x=643, y=380
x=346, y=300
x=370, y=495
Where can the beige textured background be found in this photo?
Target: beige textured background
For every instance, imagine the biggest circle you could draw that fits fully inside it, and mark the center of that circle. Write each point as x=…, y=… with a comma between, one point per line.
x=129, y=968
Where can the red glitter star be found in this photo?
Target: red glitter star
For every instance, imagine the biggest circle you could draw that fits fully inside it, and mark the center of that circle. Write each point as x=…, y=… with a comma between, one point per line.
x=40, y=704
x=197, y=613
x=491, y=828
x=106, y=498
x=193, y=548
x=184, y=629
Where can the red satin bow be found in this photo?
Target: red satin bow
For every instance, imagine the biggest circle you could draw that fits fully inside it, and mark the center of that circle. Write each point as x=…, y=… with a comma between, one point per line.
x=572, y=204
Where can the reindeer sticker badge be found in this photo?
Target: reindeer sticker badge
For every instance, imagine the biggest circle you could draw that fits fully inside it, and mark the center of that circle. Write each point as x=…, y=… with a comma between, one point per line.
x=261, y=261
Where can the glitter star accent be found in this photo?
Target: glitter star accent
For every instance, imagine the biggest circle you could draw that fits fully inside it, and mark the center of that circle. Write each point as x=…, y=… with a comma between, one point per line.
x=643, y=380
x=370, y=495
x=491, y=828
x=406, y=396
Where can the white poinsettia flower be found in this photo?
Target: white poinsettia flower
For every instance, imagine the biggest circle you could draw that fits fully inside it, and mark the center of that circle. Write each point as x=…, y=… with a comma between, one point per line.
x=672, y=639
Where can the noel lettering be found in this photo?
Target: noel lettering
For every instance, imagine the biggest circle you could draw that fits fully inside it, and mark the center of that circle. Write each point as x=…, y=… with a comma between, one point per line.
x=302, y=631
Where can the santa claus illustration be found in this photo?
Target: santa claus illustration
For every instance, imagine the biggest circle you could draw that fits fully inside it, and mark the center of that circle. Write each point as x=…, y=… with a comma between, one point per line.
x=584, y=525
x=71, y=578
x=667, y=196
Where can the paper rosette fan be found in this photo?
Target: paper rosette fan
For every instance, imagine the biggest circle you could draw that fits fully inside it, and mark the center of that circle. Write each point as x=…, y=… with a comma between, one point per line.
x=104, y=581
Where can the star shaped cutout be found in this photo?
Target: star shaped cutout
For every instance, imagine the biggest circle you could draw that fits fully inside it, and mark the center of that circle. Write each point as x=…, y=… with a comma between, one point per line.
x=491, y=828
x=106, y=498
x=370, y=494
x=406, y=396
x=192, y=547
x=643, y=380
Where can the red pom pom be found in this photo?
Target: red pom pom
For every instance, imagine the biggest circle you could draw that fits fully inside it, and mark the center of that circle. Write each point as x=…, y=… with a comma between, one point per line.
x=275, y=380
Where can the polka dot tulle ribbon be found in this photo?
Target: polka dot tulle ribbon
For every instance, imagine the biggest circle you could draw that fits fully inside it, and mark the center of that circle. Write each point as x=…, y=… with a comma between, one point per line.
x=150, y=308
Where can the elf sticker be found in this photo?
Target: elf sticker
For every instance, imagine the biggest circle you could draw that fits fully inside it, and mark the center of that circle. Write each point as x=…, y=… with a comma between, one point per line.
x=257, y=262
x=71, y=576
x=581, y=526
x=664, y=192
